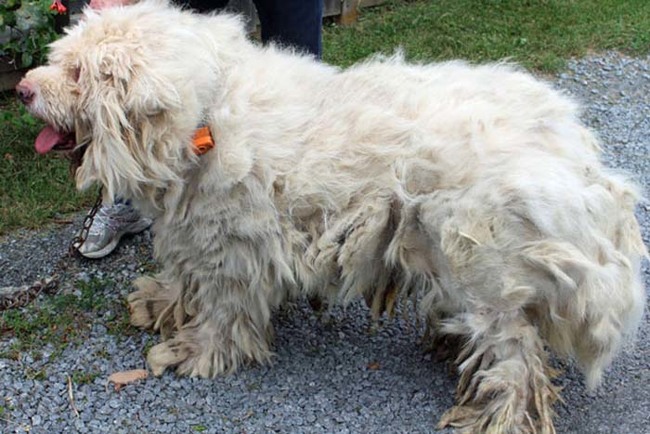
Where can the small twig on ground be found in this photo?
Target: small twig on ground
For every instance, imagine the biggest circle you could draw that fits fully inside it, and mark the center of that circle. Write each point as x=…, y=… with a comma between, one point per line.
x=71, y=397
x=8, y=421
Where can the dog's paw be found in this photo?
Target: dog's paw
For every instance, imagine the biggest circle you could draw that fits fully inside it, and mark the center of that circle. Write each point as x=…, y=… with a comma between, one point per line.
x=168, y=354
x=487, y=420
x=471, y=420
x=196, y=353
x=505, y=379
x=464, y=418
x=193, y=360
x=147, y=304
x=141, y=311
x=491, y=401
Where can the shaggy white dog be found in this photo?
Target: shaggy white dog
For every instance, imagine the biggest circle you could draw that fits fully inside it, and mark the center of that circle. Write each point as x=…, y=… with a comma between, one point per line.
x=473, y=189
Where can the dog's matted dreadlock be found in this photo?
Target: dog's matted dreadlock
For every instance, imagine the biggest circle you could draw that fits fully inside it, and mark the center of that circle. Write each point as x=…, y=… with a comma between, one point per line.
x=473, y=188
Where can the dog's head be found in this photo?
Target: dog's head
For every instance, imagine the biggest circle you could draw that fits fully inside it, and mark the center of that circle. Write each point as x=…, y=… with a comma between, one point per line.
x=125, y=88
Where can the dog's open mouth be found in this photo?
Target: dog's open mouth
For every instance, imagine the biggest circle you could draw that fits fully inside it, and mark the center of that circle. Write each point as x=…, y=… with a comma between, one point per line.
x=49, y=139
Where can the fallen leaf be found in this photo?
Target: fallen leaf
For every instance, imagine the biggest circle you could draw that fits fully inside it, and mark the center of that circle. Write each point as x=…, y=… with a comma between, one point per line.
x=125, y=377
x=373, y=366
x=9, y=157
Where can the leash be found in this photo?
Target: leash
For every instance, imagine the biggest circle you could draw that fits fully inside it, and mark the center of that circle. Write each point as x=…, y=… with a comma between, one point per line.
x=12, y=297
x=80, y=238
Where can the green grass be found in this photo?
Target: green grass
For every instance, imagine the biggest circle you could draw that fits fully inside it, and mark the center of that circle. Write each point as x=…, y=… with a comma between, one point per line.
x=34, y=189
x=62, y=319
x=83, y=377
x=540, y=34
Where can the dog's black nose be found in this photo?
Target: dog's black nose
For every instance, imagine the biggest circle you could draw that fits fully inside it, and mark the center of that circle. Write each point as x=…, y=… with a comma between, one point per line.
x=25, y=92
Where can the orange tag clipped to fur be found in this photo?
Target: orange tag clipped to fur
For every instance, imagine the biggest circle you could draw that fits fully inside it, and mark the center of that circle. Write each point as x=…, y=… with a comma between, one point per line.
x=202, y=140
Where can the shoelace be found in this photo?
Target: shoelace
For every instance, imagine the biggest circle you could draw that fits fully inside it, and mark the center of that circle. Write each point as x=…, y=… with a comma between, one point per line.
x=111, y=217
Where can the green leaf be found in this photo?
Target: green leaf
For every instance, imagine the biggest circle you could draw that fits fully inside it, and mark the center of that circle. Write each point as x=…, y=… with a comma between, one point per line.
x=26, y=58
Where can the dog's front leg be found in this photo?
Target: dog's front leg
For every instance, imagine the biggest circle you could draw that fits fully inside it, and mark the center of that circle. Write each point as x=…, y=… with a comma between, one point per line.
x=152, y=305
x=226, y=323
x=225, y=255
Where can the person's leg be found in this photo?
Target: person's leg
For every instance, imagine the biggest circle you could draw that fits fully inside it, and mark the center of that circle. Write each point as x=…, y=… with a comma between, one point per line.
x=296, y=23
x=203, y=5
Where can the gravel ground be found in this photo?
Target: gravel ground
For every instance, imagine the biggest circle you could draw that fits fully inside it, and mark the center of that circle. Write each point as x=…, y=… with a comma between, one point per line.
x=331, y=374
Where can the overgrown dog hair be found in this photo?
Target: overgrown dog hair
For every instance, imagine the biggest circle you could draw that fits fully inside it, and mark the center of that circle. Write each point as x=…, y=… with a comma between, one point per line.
x=472, y=189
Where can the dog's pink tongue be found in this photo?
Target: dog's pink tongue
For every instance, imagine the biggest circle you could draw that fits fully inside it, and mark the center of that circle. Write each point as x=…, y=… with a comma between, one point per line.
x=47, y=139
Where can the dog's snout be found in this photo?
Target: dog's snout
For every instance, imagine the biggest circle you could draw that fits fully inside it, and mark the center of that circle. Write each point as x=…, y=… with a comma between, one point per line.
x=25, y=91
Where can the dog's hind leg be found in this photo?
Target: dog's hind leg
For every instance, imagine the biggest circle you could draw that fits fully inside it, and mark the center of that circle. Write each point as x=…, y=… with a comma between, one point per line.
x=480, y=292
x=505, y=382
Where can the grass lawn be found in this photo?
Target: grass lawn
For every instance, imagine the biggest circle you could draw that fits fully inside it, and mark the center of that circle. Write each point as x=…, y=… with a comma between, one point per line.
x=540, y=34
x=63, y=319
x=34, y=189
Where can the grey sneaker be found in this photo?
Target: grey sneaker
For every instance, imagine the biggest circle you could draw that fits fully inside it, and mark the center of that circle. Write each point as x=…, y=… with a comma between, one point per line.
x=110, y=224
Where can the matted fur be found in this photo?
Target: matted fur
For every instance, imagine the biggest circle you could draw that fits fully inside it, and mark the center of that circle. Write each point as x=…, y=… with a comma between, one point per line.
x=474, y=189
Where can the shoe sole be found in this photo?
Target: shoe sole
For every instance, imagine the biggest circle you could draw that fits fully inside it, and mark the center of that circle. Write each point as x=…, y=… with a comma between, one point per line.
x=108, y=249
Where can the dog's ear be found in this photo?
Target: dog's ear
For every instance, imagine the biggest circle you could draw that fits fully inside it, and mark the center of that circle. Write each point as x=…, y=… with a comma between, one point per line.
x=120, y=98
x=118, y=71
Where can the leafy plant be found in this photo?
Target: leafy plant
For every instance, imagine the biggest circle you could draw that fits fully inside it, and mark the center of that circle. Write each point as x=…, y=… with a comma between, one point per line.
x=26, y=27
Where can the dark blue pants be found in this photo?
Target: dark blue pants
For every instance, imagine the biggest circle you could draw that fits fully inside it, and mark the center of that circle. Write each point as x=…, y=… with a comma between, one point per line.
x=295, y=23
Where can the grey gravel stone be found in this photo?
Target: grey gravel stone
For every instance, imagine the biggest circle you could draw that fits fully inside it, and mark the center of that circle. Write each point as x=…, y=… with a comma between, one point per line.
x=320, y=381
